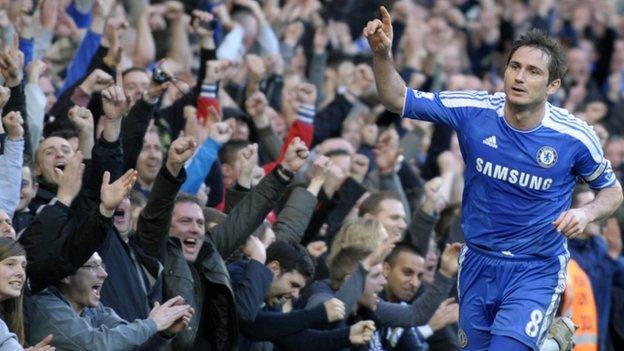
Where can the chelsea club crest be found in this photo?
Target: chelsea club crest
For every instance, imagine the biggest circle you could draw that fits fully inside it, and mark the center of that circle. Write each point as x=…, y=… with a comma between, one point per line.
x=546, y=157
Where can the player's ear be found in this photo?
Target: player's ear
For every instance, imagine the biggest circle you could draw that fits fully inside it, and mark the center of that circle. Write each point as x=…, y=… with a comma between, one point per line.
x=553, y=86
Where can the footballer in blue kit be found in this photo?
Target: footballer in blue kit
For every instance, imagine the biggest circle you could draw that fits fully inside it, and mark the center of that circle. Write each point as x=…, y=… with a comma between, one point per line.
x=523, y=159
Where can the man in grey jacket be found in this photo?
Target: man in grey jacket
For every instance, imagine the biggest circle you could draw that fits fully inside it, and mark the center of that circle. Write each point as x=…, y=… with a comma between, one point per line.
x=72, y=312
x=193, y=258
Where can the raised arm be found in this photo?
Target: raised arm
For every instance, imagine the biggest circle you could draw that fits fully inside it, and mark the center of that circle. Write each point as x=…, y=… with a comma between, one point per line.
x=155, y=219
x=294, y=218
x=390, y=85
x=11, y=163
x=247, y=215
x=57, y=248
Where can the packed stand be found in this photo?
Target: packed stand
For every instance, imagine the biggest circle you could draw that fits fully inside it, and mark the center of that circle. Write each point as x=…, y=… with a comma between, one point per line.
x=220, y=175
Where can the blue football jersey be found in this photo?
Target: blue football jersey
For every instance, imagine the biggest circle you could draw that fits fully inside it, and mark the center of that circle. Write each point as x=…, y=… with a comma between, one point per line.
x=517, y=182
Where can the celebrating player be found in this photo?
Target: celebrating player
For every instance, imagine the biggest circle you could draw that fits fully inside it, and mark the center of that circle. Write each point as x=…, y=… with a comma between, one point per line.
x=523, y=157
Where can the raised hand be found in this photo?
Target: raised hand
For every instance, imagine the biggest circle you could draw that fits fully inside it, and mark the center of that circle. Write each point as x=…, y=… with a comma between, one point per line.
x=14, y=124
x=174, y=10
x=361, y=333
x=114, y=101
x=306, y=93
x=12, y=64
x=49, y=14
x=296, y=155
x=69, y=179
x=363, y=79
x=449, y=262
x=201, y=23
x=335, y=309
x=317, y=248
x=221, y=132
x=447, y=313
x=111, y=195
x=103, y=8
x=275, y=64
x=359, y=167
x=256, y=106
x=380, y=253
x=320, y=170
x=43, y=345
x=35, y=69
x=82, y=118
x=254, y=249
x=215, y=71
x=248, y=160
x=433, y=201
x=168, y=313
x=379, y=34
x=115, y=28
x=387, y=151
x=292, y=33
x=180, y=151
x=97, y=81
x=334, y=179
x=5, y=94
x=255, y=67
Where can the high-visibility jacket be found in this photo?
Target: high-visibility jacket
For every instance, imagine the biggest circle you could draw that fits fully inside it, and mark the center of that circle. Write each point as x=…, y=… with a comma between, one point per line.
x=579, y=303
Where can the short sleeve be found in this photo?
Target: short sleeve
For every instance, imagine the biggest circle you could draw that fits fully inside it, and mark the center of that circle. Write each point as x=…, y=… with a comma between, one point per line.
x=594, y=168
x=449, y=108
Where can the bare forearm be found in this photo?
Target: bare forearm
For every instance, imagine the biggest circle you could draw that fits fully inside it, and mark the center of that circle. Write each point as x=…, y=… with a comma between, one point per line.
x=112, y=129
x=180, y=50
x=85, y=143
x=145, y=49
x=390, y=85
x=606, y=202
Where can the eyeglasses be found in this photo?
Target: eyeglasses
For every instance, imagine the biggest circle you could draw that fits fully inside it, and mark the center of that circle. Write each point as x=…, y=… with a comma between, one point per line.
x=94, y=267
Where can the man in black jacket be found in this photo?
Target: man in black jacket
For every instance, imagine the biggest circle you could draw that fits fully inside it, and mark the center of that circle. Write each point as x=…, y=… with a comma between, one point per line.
x=193, y=259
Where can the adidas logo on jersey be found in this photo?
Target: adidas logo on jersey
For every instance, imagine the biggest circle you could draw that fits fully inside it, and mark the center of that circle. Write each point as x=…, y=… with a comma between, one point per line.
x=491, y=141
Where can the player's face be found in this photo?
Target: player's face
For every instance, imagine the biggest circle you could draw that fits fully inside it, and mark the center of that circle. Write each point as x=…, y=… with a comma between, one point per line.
x=404, y=276
x=526, y=77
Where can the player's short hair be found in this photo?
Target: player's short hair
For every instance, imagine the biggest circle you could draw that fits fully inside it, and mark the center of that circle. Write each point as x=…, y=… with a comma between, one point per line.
x=291, y=257
x=538, y=39
x=398, y=249
x=345, y=263
x=372, y=203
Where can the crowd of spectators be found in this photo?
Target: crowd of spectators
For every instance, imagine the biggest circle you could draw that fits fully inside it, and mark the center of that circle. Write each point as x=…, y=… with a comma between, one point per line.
x=220, y=174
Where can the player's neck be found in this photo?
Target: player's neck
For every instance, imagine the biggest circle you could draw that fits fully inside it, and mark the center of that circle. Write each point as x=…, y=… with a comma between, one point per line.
x=524, y=117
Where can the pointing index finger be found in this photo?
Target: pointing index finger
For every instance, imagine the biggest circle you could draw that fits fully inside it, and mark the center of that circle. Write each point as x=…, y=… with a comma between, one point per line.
x=119, y=79
x=385, y=16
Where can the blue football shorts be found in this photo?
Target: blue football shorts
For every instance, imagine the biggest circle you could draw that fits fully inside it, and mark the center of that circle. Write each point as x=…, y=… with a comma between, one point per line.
x=512, y=297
